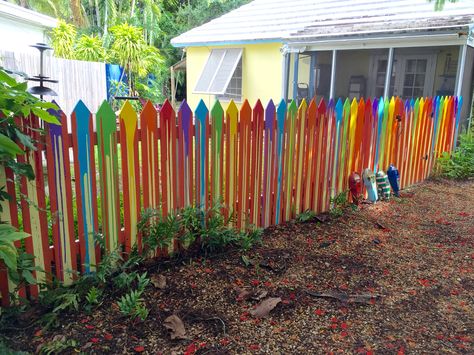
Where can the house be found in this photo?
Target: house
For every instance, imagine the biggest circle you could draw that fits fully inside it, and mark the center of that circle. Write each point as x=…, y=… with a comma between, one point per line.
x=332, y=48
x=20, y=27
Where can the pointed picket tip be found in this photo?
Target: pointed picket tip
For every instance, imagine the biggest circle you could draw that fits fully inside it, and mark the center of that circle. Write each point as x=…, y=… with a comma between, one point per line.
x=148, y=108
x=105, y=109
x=167, y=109
x=331, y=104
x=292, y=107
x=232, y=110
x=201, y=110
x=312, y=105
x=303, y=105
x=81, y=109
x=322, y=107
x=127, y=110
x=217, y=109
x=184, y=109
x=368, y=102
x=246, y=109
x=354, y=102
x=392, y=100
x=338, y=109
x=258, y=106
x=354, y=106
x=270, y=109
x=281, y=106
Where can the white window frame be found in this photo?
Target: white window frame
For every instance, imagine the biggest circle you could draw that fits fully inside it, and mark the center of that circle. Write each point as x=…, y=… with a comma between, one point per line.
x=401, y=60
x=216, y=72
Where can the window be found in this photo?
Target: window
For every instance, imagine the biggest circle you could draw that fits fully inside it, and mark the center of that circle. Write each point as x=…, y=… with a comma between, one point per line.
x=222, y=74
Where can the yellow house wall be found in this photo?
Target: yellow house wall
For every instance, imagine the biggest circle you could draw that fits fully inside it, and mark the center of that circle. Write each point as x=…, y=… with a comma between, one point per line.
x=261, y=72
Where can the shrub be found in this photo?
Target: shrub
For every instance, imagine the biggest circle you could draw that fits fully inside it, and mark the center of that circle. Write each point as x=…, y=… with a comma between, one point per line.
x=460, y=163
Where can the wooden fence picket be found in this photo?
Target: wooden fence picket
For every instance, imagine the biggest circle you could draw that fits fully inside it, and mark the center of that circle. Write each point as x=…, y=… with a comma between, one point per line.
x=85, y=184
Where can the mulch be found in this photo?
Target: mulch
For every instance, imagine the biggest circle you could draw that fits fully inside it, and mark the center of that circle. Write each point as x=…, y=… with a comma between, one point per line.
x=394, y=277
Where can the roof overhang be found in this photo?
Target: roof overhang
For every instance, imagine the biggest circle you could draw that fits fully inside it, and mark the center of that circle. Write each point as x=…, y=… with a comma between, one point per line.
x=458, y=36
x=20, y=14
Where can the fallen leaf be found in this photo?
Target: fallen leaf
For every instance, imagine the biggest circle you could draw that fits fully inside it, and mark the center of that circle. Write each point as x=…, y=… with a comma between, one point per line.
x=159, y=281
x=263, y=309
x=257, y=296
x=243, y=294
x=176, y=326
x=108, y=336
x=139, y=349
x=95, y=340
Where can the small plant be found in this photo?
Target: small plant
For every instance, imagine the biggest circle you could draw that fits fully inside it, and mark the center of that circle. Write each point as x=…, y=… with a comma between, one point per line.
x=305, y=216
x=93, y=296
x=58, y=345
x=124, y=280
x=338, y=204
x=460, y=163
x=249, y=239
x=132, y=305
x=157, y=231
x=143, y=281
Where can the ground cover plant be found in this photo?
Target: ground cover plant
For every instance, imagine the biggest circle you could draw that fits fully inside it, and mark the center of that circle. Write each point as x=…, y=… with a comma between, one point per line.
x=394, y=277
x=460, y=163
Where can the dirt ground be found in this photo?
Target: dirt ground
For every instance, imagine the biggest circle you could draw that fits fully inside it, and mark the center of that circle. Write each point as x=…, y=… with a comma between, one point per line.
x=395, y=277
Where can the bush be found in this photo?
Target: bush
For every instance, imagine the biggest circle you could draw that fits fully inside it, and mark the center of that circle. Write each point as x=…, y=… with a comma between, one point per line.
x=460, y=163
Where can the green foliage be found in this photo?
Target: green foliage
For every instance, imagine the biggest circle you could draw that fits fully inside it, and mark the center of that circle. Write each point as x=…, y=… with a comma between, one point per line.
x=15, y=102
x=93, y=296
x=124, y=280
x=439, y=4
x=338, y=204
x=460, y=163
x=63, y=37
x=90, y=48
x=8, y=252
x=58, y=345
x=210, y=229
x=131, y=304
x=5, y=350
x=305, y=216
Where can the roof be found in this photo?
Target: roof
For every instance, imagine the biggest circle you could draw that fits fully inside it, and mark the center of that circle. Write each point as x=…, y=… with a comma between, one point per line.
x=295, y=20
x=20, y=14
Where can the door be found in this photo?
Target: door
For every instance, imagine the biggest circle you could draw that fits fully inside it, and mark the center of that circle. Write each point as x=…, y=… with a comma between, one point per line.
x=412, y=75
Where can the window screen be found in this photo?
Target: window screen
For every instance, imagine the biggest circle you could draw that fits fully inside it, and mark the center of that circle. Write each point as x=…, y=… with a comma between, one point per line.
x=218, y=71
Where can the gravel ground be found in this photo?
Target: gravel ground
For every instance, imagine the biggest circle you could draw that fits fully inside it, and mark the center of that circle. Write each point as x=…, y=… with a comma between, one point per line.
x=395, y=277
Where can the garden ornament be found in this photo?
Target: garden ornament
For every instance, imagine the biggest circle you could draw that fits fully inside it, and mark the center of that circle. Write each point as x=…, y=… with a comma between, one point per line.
x=369, y=181
x=355, y=187
x=394, y=179
x=383, y=186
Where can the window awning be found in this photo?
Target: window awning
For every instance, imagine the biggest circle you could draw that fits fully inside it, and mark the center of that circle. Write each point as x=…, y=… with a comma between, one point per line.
x=218, y=71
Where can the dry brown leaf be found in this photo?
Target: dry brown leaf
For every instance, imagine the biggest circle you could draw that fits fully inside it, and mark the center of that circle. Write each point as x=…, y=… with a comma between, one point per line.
x=176, y=327
x=243, y=294
x=159, y=281
x=264, y=307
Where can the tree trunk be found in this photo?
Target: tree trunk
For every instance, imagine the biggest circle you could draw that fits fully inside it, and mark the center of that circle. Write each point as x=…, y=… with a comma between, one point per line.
x=132, y=11
x=97, y=13
x=78, y=18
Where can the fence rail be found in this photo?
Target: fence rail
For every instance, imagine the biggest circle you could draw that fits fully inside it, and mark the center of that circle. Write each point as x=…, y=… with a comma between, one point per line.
x=266, y=164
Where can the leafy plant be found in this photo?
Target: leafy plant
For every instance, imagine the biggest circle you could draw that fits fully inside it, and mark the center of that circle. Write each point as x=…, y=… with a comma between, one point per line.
x=460, y=163
x=58, y=345
x=63, y=37
x=157, y=231
x=338, y=204
x=249, y=238
x=8, y=252
x=131, y=304
x=124, y=280
x=90, y=48
x=93, y=296
x=305, y=216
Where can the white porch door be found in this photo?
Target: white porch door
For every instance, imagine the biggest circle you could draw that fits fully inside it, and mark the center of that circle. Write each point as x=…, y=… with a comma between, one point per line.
x=412, y=75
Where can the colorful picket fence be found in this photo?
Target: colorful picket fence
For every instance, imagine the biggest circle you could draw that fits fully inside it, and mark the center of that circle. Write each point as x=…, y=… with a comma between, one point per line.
x=265, y=164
